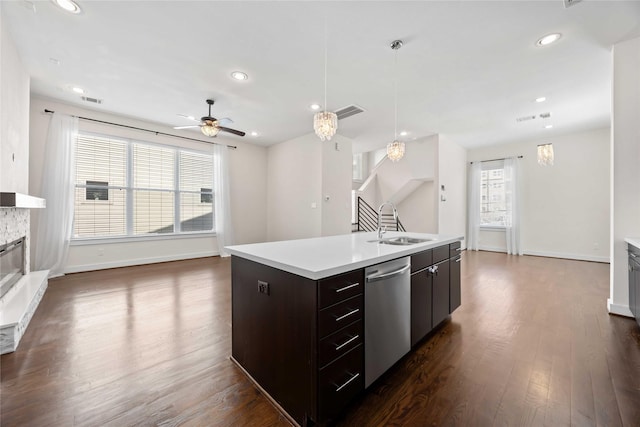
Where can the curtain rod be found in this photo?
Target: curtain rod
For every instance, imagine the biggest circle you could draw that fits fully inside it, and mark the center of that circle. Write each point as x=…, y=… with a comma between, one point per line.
x=493, y=160
x=145, y=130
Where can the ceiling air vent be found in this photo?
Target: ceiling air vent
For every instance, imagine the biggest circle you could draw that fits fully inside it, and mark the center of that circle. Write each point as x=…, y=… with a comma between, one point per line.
x=348, y=111
x=545, y=115
x=568, y=3
x=94, y=100
x=525, y=118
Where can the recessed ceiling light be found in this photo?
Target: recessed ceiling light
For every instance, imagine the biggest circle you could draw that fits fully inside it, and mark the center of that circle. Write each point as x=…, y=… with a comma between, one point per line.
x=314, y=106
x=548, y=39
x=254, y=133
x=404, y=133
x=548, y=126
x=77, y=89
x=68, y=5
x=541, y=99
x=239, y=75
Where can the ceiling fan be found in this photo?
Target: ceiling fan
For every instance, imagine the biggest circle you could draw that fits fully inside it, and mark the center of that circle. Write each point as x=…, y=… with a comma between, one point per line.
x=210, y=126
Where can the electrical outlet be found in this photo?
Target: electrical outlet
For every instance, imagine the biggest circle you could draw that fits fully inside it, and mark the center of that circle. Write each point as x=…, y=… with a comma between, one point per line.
x=263, y=287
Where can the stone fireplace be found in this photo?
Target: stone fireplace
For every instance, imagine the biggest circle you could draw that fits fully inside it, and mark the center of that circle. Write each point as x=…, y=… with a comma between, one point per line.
x=20, y=289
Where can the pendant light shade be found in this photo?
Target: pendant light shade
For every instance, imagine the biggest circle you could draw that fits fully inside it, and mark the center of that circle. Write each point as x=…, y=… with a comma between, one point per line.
x=325, y=124
x=395, y=150
x=545, y=155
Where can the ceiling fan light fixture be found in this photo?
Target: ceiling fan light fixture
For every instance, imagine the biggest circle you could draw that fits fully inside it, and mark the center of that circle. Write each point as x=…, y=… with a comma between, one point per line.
x=395, y=150
x=210, y=129
x=325, y=124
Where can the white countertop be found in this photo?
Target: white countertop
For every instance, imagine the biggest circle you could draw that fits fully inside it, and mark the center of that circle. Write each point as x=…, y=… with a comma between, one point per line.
x=322, y=257
x=635, y=241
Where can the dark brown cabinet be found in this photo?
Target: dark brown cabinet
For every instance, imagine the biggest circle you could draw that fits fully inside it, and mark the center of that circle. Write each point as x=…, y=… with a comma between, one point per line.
x=421, y=283
x=301, y=340
x=435, y=288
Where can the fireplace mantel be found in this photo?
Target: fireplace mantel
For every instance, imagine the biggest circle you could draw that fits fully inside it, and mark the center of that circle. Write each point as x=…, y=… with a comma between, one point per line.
x=18, y=200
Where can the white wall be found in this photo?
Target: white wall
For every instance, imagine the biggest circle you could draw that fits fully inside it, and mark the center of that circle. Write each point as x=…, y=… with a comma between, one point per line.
x=14, y=117
x=452, y=174
x=565, y=207
x=625, y=167
x=336, y=186
x=247, y=181
x=294, y=177
x=417, y=211
x=301, y=172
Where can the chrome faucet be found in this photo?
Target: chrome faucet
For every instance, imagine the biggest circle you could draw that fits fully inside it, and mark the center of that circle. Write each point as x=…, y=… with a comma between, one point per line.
x=395, y=218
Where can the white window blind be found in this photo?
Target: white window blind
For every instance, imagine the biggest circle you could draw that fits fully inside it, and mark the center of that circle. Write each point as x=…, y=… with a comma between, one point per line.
x=101, y=163
x=130, y=188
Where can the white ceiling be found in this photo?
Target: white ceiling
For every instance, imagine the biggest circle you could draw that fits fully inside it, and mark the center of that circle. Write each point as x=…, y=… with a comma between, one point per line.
x=467, y=69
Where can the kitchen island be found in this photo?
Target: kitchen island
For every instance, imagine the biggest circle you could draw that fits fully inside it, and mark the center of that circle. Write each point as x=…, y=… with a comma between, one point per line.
x=299, y=312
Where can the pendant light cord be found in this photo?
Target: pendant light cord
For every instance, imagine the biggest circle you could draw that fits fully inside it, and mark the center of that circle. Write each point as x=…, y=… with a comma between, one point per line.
x=395, y=88
x=325, y=63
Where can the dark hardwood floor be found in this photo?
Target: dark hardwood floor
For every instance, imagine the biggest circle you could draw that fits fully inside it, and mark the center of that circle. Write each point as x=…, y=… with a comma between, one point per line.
x=532, y=344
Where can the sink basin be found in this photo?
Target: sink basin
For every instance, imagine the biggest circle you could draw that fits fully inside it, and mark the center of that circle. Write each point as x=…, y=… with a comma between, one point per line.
x=403, y=240
x=400, y=241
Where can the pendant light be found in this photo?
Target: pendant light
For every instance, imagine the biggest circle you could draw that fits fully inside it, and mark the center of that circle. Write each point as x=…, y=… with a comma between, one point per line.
x=325, y=123
x=545, y=154
x=395, y=149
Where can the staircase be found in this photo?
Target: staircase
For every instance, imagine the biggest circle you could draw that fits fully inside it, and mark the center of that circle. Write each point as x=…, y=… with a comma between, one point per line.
x=367, y=219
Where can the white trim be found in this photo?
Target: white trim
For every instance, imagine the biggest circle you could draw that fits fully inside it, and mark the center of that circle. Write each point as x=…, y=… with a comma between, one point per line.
x=140, y=238
x=501, y=228
x=138, y=261
x=577, y=257
x=620, y=310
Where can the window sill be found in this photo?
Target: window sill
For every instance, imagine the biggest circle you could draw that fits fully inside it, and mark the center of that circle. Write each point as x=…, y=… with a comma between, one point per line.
x=132, y=239
x=492, y=228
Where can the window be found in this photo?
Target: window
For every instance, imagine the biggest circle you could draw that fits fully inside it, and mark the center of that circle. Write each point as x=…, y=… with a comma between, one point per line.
x=131, y=188
x=358, y=167
x=493, y=203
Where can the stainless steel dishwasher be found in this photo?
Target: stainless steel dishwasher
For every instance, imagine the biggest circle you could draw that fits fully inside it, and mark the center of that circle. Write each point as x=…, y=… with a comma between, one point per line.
x=387, y=316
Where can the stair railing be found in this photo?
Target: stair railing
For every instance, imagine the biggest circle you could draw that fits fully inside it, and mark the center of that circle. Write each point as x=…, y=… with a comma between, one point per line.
x=367, y=218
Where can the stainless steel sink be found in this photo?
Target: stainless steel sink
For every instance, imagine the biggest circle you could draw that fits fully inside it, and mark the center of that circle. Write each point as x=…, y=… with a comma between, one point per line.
x=400, y=241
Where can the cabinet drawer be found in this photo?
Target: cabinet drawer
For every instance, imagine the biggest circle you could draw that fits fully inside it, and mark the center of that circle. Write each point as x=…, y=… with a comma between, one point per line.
x=440, y=254
x=339, y=343
x=421, y=260
x=339, y=383
x=455, y=249
x=338, y=288
x=339, y=315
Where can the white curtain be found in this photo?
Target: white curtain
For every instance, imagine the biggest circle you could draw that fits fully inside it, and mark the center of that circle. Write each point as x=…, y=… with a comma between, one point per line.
x=224, y=225
x=512, y=194
x=473, y=206
x=55, y=223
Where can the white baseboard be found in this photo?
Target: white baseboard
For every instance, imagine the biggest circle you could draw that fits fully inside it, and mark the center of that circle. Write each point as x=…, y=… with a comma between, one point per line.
x=562, y=255
x=137, y=261
x=619, y=309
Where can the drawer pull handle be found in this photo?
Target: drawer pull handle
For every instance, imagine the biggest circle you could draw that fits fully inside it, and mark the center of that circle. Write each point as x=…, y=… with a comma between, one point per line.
x=458, y=249
x=347, y=315
x=347, y=287
x=348, y=382
x=459, y=259
x=350, y=340
x=632, y=255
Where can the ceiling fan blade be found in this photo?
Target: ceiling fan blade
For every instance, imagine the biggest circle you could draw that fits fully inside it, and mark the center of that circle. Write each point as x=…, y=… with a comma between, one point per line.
x=186, y=127
x=233, y=131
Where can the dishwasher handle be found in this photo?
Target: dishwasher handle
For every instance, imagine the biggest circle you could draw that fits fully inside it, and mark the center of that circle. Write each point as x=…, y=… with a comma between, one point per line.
x=399, y=272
